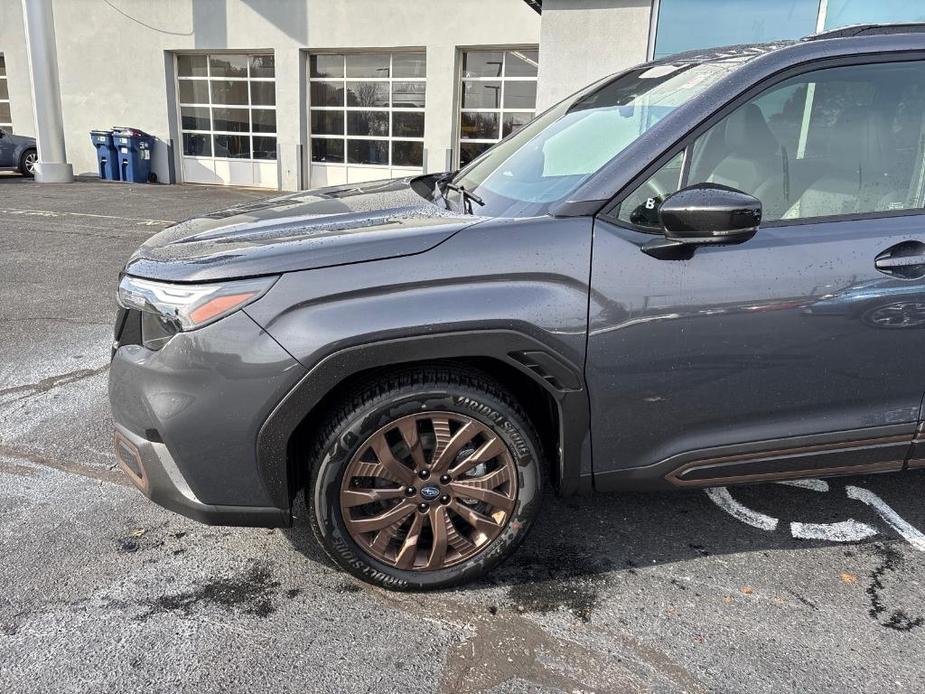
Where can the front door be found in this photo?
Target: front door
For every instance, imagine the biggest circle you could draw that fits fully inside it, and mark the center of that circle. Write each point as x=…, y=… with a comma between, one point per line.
x=7, y=150
x=797, y=352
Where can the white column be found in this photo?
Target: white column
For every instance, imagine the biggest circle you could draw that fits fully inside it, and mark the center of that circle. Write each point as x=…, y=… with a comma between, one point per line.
x=39, y=22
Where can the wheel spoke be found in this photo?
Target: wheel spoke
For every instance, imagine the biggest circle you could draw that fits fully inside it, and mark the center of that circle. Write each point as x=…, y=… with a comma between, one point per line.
x=409, y=432
x=359, y=497
x=482, y=523
x=444, y=455
x=492, y=448
x=437, y=518
x=383, y=520
x=380, y=493
x=409, y=548
x=494, y=499
x=393, y=468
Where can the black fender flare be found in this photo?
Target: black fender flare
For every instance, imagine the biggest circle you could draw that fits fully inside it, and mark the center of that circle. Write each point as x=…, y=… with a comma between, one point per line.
x=555, y=374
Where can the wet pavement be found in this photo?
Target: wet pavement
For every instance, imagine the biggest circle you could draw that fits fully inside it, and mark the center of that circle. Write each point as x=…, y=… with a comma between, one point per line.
x=102, y=591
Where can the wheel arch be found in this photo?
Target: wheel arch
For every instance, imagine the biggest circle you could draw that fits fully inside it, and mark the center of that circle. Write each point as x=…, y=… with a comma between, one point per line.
x=549, y=387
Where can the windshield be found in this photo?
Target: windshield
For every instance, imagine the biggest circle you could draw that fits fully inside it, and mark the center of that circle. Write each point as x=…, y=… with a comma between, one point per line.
x=552, y=155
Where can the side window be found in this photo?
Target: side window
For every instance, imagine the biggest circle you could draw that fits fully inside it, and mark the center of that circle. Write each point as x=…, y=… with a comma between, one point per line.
x=838, y=141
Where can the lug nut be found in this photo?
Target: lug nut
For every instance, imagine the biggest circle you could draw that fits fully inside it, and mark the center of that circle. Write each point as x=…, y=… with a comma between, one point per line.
x=423, y=508
x=445, y=499
x=424, y=474
x=445, y=479
x=410, y=491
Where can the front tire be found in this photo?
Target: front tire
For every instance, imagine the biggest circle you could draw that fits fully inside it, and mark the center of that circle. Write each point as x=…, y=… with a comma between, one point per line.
x=425, y=478
x=27, y=163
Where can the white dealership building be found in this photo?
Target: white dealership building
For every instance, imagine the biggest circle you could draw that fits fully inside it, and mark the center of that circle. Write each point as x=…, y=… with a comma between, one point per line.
x=292, y=94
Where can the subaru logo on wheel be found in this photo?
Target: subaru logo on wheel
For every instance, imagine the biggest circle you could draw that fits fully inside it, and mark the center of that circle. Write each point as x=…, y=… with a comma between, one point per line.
x=430, y=492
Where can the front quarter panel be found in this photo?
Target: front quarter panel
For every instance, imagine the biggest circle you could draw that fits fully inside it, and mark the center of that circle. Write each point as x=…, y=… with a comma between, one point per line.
x=495, y=288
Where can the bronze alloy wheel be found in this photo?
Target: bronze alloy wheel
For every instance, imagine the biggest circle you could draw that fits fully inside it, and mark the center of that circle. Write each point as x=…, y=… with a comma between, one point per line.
x=429, y=491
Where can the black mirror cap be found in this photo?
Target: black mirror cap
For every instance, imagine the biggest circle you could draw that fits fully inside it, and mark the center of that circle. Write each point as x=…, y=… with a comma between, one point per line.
x=710, y=213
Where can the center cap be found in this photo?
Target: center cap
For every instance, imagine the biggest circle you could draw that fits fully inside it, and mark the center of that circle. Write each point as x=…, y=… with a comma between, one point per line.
x=430, y=492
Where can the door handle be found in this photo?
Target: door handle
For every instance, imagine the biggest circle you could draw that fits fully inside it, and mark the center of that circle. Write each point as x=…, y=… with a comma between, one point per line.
x=905, y=259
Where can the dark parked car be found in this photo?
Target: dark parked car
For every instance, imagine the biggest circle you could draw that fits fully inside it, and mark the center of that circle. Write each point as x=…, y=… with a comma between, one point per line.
x=18, y=152
x=590, y=305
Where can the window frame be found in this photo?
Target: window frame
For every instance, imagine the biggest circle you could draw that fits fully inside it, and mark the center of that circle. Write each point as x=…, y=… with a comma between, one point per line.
x=345, y=109
x=6, y=79
x=610, y=211
x=211, y=106
x=461, y=79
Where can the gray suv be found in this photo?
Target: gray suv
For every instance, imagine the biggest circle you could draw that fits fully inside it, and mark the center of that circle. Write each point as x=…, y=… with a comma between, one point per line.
x=18, y=152
x=589, y=305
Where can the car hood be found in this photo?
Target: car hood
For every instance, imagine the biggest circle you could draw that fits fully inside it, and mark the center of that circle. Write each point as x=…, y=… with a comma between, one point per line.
x=300, y=231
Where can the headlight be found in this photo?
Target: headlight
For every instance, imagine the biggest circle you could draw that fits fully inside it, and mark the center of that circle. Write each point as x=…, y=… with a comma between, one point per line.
x=168, y=308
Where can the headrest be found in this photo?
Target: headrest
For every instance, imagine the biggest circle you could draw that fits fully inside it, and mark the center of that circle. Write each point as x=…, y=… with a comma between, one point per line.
x=747, y=133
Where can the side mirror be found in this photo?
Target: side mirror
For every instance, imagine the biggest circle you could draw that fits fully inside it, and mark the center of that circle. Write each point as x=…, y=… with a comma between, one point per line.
x=704, y=214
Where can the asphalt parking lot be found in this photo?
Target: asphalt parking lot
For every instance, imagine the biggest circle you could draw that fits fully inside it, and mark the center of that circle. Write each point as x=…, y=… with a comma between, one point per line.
x=101, y=591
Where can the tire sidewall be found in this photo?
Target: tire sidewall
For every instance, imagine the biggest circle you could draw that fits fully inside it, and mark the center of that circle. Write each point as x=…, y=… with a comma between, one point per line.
x=22, y=163
x=325, y=491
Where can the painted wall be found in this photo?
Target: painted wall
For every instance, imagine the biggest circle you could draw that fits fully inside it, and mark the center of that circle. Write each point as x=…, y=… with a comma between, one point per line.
x=583, y=40
x=116, y=65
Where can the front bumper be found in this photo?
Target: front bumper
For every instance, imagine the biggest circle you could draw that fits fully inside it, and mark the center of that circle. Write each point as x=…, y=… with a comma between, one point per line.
x=150, y=467
x=187, y=419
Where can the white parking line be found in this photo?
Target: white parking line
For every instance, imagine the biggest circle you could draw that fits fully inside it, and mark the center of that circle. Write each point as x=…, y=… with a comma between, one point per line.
x=844, y=531
x=722, y=498
x=51, y=213
x=910, y=534
x=814, y=485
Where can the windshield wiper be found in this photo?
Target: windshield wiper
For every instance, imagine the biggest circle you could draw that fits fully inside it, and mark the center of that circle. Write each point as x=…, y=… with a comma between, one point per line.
x=467, y=195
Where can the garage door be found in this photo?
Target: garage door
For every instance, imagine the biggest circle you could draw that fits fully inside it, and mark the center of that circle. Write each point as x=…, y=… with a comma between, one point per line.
x=228, y=119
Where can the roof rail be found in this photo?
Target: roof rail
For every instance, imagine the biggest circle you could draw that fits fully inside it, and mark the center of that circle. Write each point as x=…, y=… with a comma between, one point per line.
x=868, y=30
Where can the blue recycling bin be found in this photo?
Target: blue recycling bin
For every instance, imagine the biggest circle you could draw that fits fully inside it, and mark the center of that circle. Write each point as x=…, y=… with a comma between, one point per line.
x=134, y=154
x=107, y=156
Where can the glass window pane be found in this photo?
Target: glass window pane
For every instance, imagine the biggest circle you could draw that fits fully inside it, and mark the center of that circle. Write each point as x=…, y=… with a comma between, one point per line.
x=327, y=94
x=470, y=150
x=4, y=92
x=325, y=150
x=263, y=120
x=2, y=65
x=228, y=65
x=368, y=65
x=5, y=113
x=407, y=124
x=520, y=95
x=263, y=66
x=841, y=13
x=368, y=123
x=482, y=63
x=408, y=94
x=197, y=145
x=236, y=120
x=857, y=152
x=264, y=147
x=233, y=146
x=194, y=91
x=640, y=208
x=684, y=25
x=327, y=122
x=521, y=63
x=192, y=66
x=326, y=65
x=514, y=121
x=195, y=118
x=368, y=94
x=263, y=93
x=225, y=92
x=481, y=95
x=368, y=151
x=409, y=65
x=479, y=126
x=407, y=153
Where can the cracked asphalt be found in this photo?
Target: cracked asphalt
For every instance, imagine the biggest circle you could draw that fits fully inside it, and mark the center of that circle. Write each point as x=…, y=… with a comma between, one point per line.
x=101, y=591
